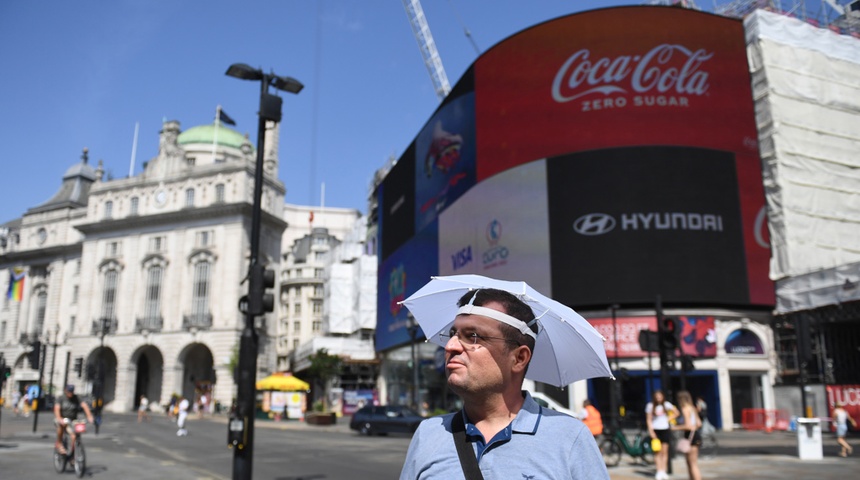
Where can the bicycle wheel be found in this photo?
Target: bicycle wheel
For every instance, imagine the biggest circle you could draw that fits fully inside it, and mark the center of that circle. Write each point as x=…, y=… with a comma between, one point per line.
x=80, y=458
x=60, y=459
x=647, y=454
x=611, y=452
x=709, y=447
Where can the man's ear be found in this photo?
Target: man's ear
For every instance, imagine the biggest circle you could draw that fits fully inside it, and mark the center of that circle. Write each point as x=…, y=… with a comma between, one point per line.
x=522, y=355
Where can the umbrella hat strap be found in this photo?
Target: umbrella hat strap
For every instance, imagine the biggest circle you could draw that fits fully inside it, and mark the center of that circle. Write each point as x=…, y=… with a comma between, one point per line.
x=470, y=309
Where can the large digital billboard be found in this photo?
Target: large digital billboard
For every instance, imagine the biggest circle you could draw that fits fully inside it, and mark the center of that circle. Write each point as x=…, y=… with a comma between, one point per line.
x=605, y=157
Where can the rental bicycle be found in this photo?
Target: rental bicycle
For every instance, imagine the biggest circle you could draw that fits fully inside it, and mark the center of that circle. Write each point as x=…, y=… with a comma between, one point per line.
x=616, y=443
x=76, y=455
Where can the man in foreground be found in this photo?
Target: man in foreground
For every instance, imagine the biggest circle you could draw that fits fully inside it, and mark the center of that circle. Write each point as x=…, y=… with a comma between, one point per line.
x=67, y=407
x=510, y=436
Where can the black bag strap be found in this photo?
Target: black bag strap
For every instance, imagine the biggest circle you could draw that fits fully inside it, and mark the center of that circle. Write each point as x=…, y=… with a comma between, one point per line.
x=467, y=456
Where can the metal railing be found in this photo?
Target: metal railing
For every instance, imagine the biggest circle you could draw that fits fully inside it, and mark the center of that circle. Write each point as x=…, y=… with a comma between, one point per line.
x=151, y=324
x=200, y=321
x=104, y=326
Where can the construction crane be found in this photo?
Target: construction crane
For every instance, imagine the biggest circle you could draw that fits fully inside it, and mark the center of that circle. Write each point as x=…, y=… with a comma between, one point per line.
x=428, y=47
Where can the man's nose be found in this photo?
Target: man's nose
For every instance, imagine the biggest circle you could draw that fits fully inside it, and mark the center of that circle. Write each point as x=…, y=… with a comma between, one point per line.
x=453, y=344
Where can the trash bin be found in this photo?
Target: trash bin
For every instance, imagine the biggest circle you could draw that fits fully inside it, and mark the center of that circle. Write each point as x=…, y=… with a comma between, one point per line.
x=809, y=444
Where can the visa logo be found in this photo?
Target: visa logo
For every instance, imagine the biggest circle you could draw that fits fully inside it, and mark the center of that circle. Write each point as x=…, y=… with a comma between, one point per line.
x=461, y=258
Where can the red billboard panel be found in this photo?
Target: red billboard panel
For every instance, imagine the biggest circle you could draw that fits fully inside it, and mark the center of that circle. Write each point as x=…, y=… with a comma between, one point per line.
x=633, y=77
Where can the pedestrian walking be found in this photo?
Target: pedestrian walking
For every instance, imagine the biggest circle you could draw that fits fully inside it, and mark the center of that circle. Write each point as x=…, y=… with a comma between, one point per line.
x=657, y=413
x=143, y=409
x=16, y=399
x=691, y=436
x=842, y=419
x=591, y=417
x=172, y=407
x=25, y=404
x=501, y=430
x=184, y=405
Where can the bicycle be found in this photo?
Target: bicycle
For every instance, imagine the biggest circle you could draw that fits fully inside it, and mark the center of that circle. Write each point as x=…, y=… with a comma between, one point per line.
x=617, y=443
x=76, y=455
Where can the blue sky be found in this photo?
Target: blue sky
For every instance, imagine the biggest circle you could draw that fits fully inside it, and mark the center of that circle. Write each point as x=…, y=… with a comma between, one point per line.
x=81, y=74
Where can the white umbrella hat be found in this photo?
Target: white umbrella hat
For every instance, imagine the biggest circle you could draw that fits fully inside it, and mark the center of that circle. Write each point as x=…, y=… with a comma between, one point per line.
x=567, y=347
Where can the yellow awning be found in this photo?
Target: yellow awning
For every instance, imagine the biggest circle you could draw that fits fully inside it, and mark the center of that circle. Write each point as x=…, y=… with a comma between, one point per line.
x=283, y=382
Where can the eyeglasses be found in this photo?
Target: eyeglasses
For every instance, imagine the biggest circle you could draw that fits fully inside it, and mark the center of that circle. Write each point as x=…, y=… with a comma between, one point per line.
x=471, y=338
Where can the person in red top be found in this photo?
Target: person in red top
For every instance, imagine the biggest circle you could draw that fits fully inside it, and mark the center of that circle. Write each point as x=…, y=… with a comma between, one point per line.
x=590, y=416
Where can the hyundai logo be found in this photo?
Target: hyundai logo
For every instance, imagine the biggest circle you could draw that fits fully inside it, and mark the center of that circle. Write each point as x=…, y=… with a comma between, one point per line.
x=594, y=224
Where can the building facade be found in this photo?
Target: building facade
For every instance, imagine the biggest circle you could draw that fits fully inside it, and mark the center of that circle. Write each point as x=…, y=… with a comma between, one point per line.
x=140, y=277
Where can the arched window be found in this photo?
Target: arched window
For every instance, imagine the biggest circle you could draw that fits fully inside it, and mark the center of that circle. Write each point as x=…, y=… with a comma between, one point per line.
x=109, y=294
x=200, y=295
x=41, y=306
x=152, y=307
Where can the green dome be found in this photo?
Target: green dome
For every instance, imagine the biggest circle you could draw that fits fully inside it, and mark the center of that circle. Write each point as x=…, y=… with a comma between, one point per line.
x=204, y=134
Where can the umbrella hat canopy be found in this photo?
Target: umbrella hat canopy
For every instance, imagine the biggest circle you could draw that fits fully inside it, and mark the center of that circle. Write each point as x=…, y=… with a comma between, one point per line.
x=284, y=382
x=567, y=347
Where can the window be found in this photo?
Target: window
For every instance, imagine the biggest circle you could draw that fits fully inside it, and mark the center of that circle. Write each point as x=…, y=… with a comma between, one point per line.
x=318, y=273
x=156, y=244
x=108, y=209
x=41, y=306
x=219, y=193
x=189, y=197
x=109, y=294
x=113, y=249
x=134, y=205
x=317, y=307
x=75, y=290
x=152, y=307
x=318, y=290
x=204, y=238
x=190, y=161
x=317, y=325
x=78, y=267
x=295, y=343
x=297, y=308
x=2, y=332
x=200, y=295
x=297, y=326
x=72, y=323
x=319, y=256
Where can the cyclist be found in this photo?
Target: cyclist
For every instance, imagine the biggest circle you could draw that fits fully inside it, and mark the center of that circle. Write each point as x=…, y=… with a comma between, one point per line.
x=66, y=409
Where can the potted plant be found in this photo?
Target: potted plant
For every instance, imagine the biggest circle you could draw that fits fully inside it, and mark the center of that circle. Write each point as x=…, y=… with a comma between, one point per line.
x=323, y=368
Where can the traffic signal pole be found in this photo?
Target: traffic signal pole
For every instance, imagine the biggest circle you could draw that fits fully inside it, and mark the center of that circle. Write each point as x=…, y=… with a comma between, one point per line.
x=243, y=454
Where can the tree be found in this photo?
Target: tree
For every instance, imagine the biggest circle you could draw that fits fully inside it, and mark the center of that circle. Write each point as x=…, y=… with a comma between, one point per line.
x=323, y=368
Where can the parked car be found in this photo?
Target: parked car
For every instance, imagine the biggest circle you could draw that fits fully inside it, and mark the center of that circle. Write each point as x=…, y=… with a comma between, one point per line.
x=385, y=419
x=546, y=401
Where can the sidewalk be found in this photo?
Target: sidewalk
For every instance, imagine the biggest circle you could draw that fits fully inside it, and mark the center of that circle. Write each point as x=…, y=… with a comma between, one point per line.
x=746, y=454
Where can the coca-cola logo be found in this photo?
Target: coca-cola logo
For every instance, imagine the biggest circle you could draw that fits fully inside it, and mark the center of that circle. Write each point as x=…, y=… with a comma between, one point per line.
x=665, y=69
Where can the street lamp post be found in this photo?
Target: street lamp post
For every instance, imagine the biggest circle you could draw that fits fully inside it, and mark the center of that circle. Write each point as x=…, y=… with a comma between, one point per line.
x=241, y=425
x=614, y=394
x=98, y=394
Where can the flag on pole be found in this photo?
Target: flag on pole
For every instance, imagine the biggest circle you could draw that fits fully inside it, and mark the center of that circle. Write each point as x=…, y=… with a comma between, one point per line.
x=16, y=284
x=225, y=118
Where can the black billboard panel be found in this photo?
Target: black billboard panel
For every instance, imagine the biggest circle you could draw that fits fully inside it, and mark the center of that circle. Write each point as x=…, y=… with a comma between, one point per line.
x=397, y=204
x=627, y=224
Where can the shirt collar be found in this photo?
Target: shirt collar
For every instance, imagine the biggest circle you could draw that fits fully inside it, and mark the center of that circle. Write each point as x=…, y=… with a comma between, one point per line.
x=526, y=421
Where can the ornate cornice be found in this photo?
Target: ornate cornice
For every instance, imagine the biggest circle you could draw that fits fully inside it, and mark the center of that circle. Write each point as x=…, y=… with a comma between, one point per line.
x=179, y=216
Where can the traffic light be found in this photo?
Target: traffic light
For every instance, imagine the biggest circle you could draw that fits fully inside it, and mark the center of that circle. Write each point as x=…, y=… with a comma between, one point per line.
x=670, y=339
x=5, y=370
x=79, y=366
x=687, y=363
x=261, y=301
x=35, y=355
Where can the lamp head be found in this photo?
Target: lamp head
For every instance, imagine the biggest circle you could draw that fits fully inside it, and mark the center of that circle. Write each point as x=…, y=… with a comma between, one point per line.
x=287, y=84
x=244, y=72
